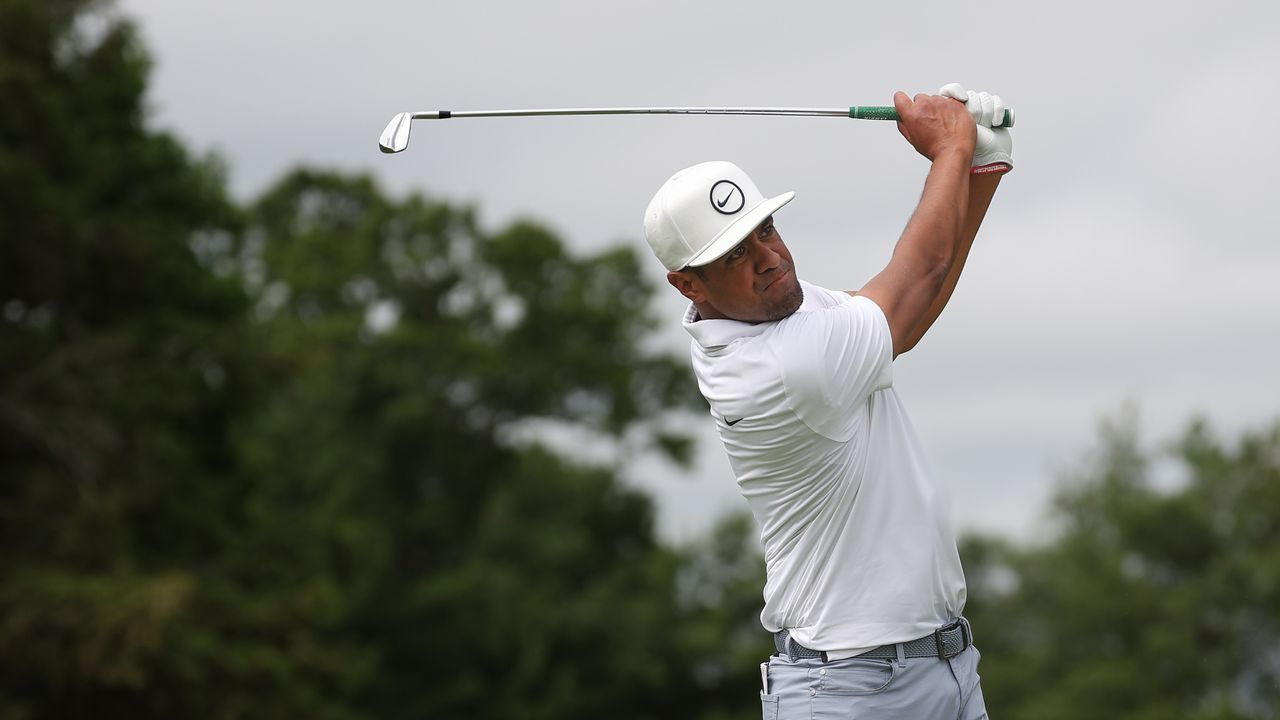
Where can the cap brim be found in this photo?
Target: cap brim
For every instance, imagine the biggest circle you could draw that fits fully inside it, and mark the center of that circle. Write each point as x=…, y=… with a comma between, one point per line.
x=733, y=234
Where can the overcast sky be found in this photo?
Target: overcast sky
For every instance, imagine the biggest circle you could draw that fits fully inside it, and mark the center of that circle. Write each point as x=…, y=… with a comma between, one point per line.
x=1131, y=257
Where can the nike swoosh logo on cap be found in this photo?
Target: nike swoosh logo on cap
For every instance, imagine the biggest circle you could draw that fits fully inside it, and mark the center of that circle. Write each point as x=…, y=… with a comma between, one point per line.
x=725, y=201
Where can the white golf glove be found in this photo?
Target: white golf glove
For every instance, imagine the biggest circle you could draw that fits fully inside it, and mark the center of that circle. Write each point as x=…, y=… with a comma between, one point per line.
x=993, y=152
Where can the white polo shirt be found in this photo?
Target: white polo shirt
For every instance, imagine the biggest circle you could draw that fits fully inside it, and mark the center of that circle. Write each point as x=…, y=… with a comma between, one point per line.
x=859, y=550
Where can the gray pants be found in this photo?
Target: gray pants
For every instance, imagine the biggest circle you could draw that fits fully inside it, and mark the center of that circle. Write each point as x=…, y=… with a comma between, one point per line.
x=913, y=689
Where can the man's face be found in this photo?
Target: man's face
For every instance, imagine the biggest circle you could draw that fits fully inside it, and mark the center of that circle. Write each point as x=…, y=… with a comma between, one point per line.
x=753, y=282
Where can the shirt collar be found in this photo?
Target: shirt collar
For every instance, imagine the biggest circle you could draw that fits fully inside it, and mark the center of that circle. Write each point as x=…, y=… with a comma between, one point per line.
x=715, y=334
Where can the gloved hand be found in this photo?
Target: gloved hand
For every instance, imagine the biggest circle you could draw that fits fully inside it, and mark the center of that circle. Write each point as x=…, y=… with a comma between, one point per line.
x=993, y=152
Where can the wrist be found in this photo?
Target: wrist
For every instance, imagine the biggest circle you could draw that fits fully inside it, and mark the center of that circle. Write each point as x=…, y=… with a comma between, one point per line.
x=954, y=155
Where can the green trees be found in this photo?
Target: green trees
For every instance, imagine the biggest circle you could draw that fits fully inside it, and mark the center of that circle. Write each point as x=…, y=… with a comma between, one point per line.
x=1153, y=602
x=285, y=460
x=488, y=576
x=119, y=369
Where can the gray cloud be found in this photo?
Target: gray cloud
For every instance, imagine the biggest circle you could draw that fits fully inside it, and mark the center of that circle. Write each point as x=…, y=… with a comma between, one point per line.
x=1129, y=257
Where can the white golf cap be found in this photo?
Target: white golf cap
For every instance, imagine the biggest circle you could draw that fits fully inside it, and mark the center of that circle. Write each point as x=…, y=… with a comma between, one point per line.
x=702, y=212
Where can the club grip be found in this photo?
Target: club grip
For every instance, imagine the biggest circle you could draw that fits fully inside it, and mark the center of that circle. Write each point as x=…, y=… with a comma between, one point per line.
x=888, y=112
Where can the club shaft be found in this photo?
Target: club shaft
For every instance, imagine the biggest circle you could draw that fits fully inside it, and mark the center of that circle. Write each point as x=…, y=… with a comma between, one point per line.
x=395, y=137
x=860, y=112
x=819, y=112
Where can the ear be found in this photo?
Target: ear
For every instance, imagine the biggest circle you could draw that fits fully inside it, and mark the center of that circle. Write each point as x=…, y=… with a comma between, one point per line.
x=687, y=284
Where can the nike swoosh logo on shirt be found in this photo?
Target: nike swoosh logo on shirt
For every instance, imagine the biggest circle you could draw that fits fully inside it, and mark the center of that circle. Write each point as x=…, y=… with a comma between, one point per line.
x=731, y=423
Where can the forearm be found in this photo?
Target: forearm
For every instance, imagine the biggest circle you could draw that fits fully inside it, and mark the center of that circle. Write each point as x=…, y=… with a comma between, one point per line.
x=982, y=189
x=938, y=221
x=926, y=248
x=943, y=131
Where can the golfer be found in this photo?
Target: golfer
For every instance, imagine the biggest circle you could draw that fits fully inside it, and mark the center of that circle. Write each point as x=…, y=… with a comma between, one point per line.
x=864, y=588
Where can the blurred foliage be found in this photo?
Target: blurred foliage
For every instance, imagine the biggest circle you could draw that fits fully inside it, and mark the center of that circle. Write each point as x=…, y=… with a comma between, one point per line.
x=275, y=460
x=1159, y=596
x=283, y=460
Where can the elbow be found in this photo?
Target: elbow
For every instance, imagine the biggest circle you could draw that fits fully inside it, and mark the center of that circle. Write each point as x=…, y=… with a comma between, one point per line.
x=934, y=260
x=929, y=267
x=936, y=273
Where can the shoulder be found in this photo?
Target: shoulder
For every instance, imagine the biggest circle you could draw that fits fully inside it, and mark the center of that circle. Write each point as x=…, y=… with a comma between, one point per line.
x=832, y=354
x=817, y=297
x=828, y=316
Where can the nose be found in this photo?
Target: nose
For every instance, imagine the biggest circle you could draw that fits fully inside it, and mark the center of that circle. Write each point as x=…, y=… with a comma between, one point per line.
x=764, y=257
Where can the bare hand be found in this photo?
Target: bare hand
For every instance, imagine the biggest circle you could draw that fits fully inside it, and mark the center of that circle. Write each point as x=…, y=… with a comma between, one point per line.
x=935, y=125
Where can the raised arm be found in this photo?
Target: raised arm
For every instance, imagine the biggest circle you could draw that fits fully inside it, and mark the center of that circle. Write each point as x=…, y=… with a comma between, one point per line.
x=991, y=158
x=942, y=131
x=981, y=189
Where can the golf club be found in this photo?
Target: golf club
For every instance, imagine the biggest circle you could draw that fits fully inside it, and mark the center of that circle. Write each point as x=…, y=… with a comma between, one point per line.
x=395, y=138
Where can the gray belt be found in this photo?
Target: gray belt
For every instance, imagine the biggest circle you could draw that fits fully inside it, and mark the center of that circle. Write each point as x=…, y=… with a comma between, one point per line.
x=945, y=642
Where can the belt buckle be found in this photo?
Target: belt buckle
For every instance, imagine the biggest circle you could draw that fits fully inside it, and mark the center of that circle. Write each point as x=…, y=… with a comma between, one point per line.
x=965, y=640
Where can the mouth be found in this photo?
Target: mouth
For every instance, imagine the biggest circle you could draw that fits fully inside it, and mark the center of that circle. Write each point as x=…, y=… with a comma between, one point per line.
x=781, y=274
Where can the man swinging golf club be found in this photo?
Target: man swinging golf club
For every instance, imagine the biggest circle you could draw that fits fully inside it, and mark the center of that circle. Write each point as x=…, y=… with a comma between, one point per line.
x=864, y=588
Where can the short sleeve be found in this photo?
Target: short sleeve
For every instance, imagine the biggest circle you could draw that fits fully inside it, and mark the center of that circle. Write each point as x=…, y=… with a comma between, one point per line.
x=832, y=360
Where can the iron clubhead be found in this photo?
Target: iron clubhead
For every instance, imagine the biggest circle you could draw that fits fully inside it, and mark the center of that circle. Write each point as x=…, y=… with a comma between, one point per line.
x=396, y=137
